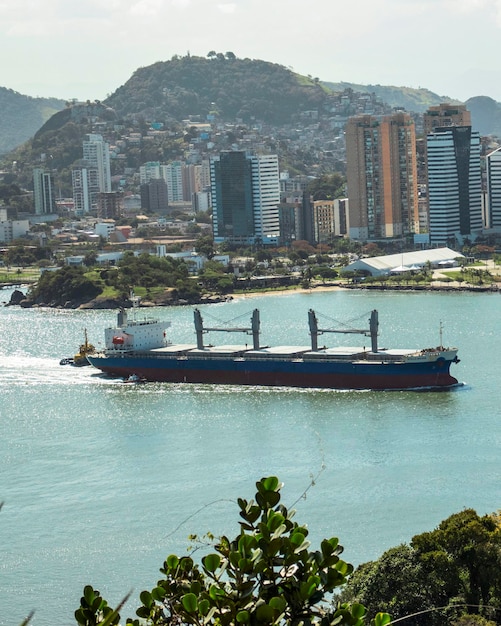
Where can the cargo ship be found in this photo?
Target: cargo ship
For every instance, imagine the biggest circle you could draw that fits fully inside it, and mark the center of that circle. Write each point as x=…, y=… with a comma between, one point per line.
x=140, y=347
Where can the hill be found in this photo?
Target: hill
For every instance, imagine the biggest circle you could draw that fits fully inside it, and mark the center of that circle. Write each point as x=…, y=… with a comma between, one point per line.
x=485, y=115
x=22, y=116
x=195, y=88
x=222, y=84
x=415, y=100
x=485, y=112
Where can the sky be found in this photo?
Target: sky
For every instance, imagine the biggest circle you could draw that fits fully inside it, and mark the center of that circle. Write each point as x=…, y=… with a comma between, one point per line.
x=86, y=49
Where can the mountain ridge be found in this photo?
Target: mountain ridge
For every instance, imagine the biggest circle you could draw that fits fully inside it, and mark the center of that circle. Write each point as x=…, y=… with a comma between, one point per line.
x=176, y=85
x=221, y=86
x=22, y=116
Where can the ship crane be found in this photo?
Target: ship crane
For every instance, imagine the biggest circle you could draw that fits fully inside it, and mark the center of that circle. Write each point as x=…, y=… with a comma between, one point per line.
x=253, y=329
x=371, y=332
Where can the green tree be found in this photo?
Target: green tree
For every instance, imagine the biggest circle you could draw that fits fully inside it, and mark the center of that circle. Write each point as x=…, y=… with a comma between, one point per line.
x=327, y=187
x=451, y=571
x=211, y=274
x=69, y=284
x=90, y=258
x=265, y=575
x=205, y=245
x=326, y=273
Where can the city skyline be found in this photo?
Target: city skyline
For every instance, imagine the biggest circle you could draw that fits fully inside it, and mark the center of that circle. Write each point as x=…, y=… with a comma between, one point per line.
x=87, y=50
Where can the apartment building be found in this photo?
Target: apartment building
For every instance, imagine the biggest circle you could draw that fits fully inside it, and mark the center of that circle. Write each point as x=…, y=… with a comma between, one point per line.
x=381, y=170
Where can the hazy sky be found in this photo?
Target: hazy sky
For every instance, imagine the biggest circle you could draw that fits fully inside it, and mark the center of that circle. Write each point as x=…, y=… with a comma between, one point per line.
x=86, y=49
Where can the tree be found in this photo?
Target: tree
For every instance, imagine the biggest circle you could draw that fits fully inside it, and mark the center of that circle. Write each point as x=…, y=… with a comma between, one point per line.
x=90, y=258
x=327, y=187
x=69, y=284
x=444, y=574
x=211, y=274
x=205, y=245
x=265, y=575
x=326, y=273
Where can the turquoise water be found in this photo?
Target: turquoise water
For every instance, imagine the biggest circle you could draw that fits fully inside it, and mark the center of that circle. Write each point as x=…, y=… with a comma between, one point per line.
x=101, y=481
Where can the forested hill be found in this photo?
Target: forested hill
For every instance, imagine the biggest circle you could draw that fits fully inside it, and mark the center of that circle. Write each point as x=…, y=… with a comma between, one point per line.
x=230, y=87
x=22, y=116
x=417, y=100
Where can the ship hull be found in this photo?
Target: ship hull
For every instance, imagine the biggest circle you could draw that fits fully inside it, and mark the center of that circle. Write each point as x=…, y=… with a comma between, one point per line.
x=282, y=373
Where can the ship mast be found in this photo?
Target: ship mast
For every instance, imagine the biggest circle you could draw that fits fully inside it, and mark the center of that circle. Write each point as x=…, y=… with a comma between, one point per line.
x=253, y=329
x=371, y=332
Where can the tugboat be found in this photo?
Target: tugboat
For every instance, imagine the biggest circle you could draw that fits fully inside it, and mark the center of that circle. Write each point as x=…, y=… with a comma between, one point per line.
x=80, y=359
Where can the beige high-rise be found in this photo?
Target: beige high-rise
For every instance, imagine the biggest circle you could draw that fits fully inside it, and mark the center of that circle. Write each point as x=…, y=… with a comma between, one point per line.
x=381, y=170
x=445, y=114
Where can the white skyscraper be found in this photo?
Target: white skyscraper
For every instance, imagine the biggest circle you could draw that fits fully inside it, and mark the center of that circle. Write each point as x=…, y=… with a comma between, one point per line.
x=454, y=185
x=494, y=190
x=85, y=183
x=266, y=197
x=173, y=176
x=96, y=152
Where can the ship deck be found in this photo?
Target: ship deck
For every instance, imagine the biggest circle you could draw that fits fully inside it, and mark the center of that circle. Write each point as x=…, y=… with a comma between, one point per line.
x=341, y=353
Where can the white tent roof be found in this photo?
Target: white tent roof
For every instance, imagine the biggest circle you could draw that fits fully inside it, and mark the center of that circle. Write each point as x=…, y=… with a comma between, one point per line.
x=401, y=268
x=386, y=264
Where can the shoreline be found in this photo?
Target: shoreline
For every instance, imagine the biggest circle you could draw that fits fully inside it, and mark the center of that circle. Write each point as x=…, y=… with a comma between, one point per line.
x=435, y=286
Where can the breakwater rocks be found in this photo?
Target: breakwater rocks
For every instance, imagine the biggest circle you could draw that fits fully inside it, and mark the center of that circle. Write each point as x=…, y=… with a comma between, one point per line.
x=18, y=298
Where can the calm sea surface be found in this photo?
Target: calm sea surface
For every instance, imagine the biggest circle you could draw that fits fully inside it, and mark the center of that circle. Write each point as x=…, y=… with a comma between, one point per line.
x=101, y=481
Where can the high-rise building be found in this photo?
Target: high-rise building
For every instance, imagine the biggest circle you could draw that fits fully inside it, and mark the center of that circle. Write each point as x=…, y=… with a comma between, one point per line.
x=92, y=176
x=109, y=205
x=266, y=197
x=329, y=219
x=445, y=115
x=85, y=183
x=172, y=173
x=381, y=173
x=149, y=170
x=454, y=185
x=154, y=195
x=493, y=162
x=202, y=176
x=43, y=192
x=96, y=152
x=245, y=198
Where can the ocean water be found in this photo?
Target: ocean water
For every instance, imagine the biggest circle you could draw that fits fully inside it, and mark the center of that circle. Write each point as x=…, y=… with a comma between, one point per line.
x=101, y=481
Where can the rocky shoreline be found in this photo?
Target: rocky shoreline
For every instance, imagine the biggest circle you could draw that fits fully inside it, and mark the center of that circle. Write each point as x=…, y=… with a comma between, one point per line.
x=18, y=298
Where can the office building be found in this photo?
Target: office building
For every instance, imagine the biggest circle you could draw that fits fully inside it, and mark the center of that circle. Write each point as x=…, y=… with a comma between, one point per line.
x=43, y=192
x=454, y=185
x=154, y=195
x=493, y=212
x=381, y=173
x=245, y=198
